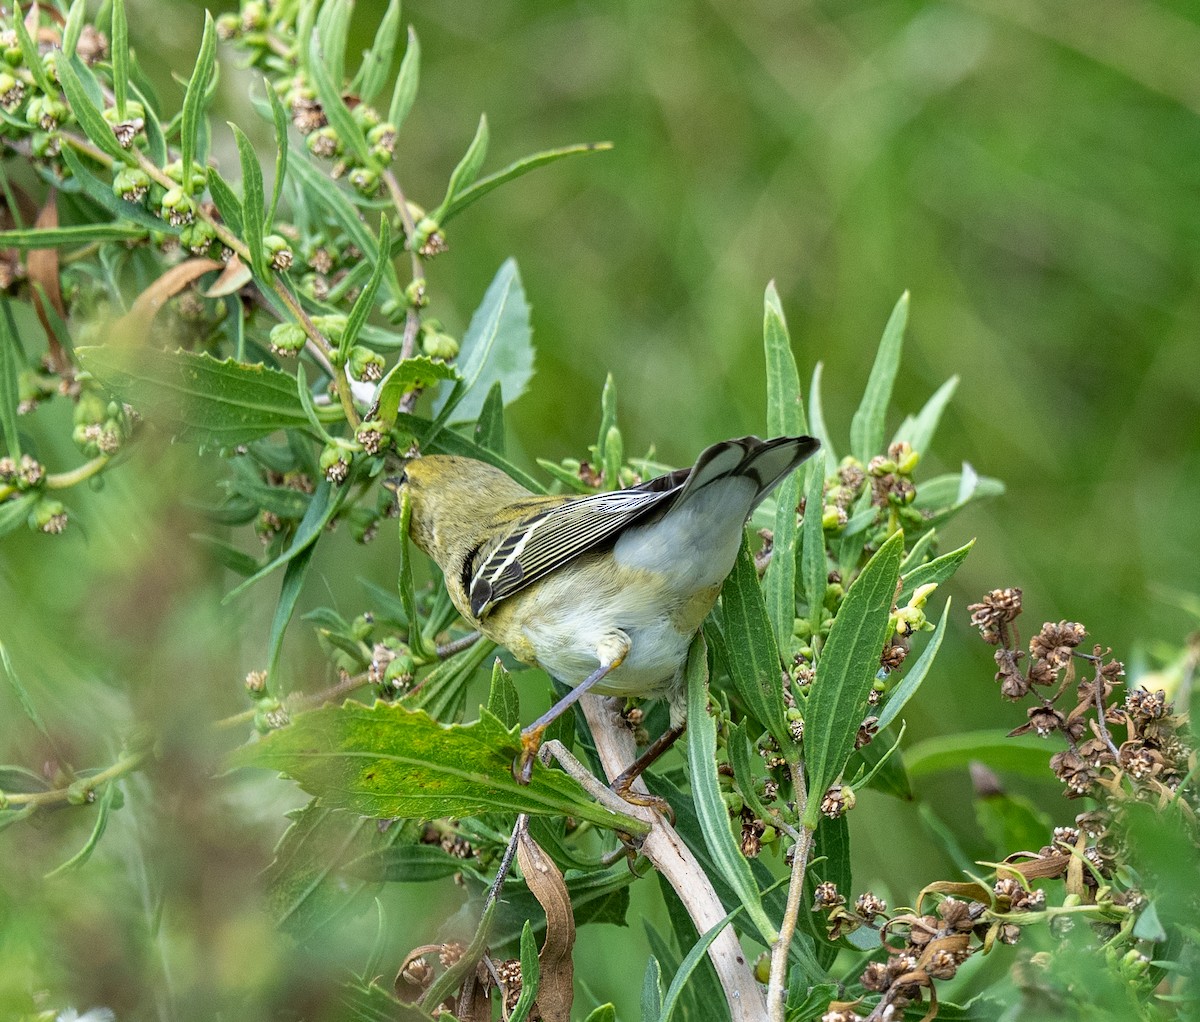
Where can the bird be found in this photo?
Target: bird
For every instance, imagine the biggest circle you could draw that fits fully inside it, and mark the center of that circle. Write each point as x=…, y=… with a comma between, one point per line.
x=603, y=591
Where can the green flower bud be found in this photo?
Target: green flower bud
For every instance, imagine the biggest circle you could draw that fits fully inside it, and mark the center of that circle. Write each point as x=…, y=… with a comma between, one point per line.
x=228, y=26
x=428, y=239
x=49, y=516
x=833, y=518
x=439, y=345
x=907, y=620
x=46, y=145
x=371, y=435
x=400, y=673
x=364, y=180
x=324, y=143
x=50, y=64
x=382, y=140
x=12, y=91
x=10, y=46
x=365, y=116
x=46, y=112
x=394, y=310
x=174, y=170
x=287, y=339
x=365, y=364
x=178, y=208
x=278, y=251
x=335, y=460
x=254, y=16
x=81, y=793
x=415, y=293
x=131, y=184
x=332, y=326
x=197, y=237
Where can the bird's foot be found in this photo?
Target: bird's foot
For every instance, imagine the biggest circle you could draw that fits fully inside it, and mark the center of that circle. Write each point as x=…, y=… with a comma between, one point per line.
x=531, y=741
x=623, y=786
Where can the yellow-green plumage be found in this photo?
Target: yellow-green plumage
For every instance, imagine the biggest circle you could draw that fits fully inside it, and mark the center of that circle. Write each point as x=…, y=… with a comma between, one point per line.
x=606, y=589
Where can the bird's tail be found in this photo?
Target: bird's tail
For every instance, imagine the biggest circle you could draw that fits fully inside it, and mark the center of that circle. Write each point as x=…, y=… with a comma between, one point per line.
x=766, y=463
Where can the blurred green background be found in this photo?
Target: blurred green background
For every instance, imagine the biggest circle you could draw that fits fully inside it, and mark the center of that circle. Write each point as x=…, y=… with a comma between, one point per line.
x=1028, y=171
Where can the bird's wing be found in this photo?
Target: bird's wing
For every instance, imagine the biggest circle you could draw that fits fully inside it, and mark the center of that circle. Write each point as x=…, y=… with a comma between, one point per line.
x=548, y=539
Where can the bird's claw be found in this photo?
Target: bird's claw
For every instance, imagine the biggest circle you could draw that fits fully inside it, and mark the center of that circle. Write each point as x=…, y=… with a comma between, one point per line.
x=531, y=742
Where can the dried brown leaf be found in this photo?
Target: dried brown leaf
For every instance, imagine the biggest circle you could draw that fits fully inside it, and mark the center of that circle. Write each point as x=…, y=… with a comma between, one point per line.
x=135, y=323
x=555, y=993
x=233, y=278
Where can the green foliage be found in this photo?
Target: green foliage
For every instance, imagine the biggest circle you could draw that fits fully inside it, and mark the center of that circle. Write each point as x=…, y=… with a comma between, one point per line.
x=292, y=336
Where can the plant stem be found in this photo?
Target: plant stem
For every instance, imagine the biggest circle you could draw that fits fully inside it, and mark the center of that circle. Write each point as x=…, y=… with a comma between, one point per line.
x=64, y=480
x=126, y=764
x=777, y=988
x=299, y=700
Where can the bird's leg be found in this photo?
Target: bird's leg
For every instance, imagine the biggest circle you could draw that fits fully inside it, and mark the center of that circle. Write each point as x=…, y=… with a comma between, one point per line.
x=611, y=654
x=622, y=784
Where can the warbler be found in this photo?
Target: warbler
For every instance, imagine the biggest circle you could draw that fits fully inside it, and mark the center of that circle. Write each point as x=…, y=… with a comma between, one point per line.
x=604, y=592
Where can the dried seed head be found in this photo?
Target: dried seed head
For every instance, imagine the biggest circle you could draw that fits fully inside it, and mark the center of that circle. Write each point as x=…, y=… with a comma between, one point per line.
x=869, y=906
x=1056, y=641
x=996, y=609
x=826, y=896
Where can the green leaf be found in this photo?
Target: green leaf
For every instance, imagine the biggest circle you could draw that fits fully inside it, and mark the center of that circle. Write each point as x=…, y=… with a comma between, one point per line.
x=324, y=505
x=652, y=992
x=365, y=301
x=22, y=694
x=315, y=881
x=706, y=792
x=918, y=432
x=289, y=594
x=407, y=79
x=866, y=428
x=816, y=417
x=226, y=554
x=119, y=49
x=883, y=768
x=228, y=204
x=76, y=18
x=514, y=170
x=942, y=497
x=10, y=372
x=32, y=59
x=86, y=112
x=446, y=441
x=531, y=976
x=1010, y=822
x=503, y=702
x=934, y=572
x=156, y=143
x=213, y=403
x=1025, y=754
x=443, y=691
x=463, y=175
x=489, y=427
x=417, y=373
x=497, y=347
x=196, y=99
x=328, y=84
x=604, y=1013
x=846, y=671
x=253, y=214
x=785, y=417
x=369, y=1002
x=104, y=808
x=690, y=961
x=608, y=417
x=752, y=654
x=14, y=512
x=814, y=562
x=279, y=117
x=916, y=673
x=403, y=863
x=389, y=762
x=377, y=61
x=739, y=750
x=333, y=28
x=78, y=234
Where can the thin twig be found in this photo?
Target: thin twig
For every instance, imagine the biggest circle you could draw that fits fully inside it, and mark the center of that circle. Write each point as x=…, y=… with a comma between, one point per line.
x=777, y=987
x=299, y=700
x=126, y=764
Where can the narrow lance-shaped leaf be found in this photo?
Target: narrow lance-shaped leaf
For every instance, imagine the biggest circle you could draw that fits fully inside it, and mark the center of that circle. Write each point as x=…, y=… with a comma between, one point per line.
x=365, y=301
x=253, y=213
x=530, y=976
x=389, y=762
x=418, y=373
x=919, y=430
x=119, y=48
x=329, y=92
x=816, y=416
x=689, y=964
x=76, y=17
x=22, y=694
x=785, y=417
x=814, y=563
x=866, y=428
x=280, y=119
x=407, y=80
x=289, y=595
x=753, y=654
x=333, y=26
x=195, y=100
x=464, y=174
x=32, y=59
x=76, y=234
x=10, y=371
x=935, y=572
x=915, y=674
x=846, y=671
x=608, y=416
x=372, y=73
x=86, y=112
x=706, y=793
x=514, y=170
